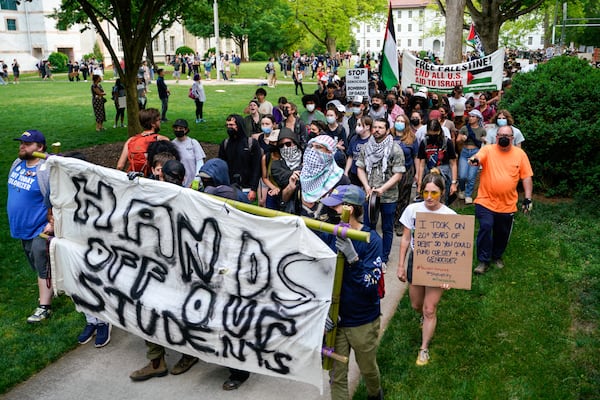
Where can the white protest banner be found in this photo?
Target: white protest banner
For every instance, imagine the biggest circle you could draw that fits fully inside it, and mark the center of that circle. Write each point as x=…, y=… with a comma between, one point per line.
x=443, y=250
x=182, y=269
x=480, y=75
x=357, y=83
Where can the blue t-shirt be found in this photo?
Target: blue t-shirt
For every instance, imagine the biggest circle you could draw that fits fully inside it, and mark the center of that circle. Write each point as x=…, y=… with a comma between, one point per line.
x=410, y=152
x=359, y=299
x=27, y=213
x=356, y=143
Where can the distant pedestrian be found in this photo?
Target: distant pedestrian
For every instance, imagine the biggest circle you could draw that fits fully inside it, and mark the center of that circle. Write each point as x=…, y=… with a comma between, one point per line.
x=120, y=100
x=163, y=94
x=16, y=71
x=98, y=101
x=199, y=97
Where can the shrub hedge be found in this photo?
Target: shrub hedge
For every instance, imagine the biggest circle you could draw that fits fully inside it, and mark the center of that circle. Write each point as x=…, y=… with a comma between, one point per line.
x=557, y=108
x=260, y=56
x=58, y=61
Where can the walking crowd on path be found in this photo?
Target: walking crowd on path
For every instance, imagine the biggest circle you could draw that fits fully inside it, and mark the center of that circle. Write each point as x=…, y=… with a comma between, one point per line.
x=363, y=152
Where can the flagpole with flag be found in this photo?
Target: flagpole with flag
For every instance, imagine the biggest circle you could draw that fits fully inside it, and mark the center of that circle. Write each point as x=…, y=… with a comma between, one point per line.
x=389, y=63
x=474, y=41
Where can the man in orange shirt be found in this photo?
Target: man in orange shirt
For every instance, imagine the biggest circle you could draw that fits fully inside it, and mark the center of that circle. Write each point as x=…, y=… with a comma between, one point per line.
x=503, y=165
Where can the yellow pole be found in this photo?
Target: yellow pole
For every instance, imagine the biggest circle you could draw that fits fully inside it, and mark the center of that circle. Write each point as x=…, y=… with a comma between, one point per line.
x=334, y=310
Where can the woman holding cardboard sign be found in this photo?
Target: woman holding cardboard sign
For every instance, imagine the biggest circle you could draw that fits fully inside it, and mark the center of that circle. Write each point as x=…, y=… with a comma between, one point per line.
x=424, y=299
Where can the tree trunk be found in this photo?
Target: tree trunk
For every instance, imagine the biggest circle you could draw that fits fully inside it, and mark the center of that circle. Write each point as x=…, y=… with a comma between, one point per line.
x=330, y=44
x=488, y=27
x=455, y=11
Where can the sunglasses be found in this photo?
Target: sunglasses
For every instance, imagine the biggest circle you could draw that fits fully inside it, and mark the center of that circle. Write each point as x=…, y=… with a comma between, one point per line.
x=434, y=194
x=286, y=144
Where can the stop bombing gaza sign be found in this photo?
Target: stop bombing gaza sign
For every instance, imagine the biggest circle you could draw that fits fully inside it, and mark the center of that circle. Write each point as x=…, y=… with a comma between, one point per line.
x=443, y=250
x=357, y=83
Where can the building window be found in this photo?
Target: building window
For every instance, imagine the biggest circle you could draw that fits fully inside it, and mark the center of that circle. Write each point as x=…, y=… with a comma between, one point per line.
x=541, y=40
x=410, y=27
x=420, y=28
x=8, y=5
x=409, y=42
x=378, y=28
x=358, y=43
x=119, y=45
x=399, y=14
x=399, y=43
x=155, y=45
x=378, y=43
x=368, y=28
x=530, y=40
x=409, y=13
x=11, y=24
x=399, y=27
x=421, y=13
x=420, y=42
x=172, y=43
x=368, y=43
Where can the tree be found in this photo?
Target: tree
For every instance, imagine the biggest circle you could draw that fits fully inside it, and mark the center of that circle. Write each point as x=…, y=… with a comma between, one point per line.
x=454, y=12
x=489, y=15
x=137, y=22
x=328, y=23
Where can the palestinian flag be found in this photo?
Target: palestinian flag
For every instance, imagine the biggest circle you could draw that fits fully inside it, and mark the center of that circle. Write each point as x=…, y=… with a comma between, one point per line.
x=389, y=63
x=474, y=41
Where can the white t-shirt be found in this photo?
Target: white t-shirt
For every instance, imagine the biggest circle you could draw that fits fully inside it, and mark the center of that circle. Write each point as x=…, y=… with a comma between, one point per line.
x=409, y=216
x=192, y=157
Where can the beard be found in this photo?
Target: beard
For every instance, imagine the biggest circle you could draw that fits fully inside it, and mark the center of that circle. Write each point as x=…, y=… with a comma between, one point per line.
x=25, y=155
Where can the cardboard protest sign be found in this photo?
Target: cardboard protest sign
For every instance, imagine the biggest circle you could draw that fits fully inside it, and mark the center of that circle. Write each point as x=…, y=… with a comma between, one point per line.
x=443, y=250
x=357, y=83
x=182, y=269
x=480, y=75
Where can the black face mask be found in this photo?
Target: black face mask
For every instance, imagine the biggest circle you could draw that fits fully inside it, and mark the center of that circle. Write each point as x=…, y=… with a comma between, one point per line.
x=503, y=141
x=272, y=148
x=375, y=106
x=415, y=121
x=390, y=103
x=285, y=112
x=231, y=132
x=180, y=133
x=331, y=216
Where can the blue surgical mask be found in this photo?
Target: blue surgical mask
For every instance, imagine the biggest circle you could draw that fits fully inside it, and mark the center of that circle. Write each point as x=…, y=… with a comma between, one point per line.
x=330, y=120
x=399, y=126
x=356, y=110
x=501, y=122
x=266, y=130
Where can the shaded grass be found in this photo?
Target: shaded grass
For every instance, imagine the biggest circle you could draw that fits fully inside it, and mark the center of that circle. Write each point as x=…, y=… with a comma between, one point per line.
x=529, y=331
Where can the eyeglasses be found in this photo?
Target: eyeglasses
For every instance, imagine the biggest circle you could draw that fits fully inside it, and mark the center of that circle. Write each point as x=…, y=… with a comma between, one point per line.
x=286, y=144
x=433, y=194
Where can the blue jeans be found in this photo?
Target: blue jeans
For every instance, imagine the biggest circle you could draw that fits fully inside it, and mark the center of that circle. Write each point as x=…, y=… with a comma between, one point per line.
x=387, y=212
x=165, y=106
x=494, y=233
x=467, y=174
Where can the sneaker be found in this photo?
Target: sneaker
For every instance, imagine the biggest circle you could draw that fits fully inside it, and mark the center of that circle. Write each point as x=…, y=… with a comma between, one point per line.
x=87, y=334
x=423, y=357
x=114, y=126
x=197, y=120
x=40, y=314
x=481, y=268
x=184, y=364
x=461, y=195
x=123, y=126
x=103, y=334
x=499, y=263
x=468, y=200
x=149, y=371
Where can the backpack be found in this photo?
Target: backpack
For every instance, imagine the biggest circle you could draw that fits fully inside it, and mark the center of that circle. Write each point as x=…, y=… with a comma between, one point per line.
x=191, y=94
x=137, y=153
x=267, y=68
x=435, y=157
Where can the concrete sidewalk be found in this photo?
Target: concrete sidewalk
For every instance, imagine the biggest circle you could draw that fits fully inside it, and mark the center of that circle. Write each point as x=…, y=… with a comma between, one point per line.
x=89, y=373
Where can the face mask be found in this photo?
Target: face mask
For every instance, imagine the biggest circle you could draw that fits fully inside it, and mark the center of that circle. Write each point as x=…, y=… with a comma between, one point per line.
x=356, y=110
x=310, y=107
x=180, y=134
x=503, y=141
x=501, y=122
x=231, y=132
x=272, y=148
x=415, y=121
x=330, y=120
x=375, y=106
x=390, y=103
x=359, y=129
x=266, y=129
x=399, y=126
x=285, y=112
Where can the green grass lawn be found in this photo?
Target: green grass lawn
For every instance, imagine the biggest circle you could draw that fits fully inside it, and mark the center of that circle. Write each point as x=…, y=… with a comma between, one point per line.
x=529, y=331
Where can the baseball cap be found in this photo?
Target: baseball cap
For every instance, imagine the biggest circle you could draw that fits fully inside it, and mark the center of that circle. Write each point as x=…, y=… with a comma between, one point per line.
x=459, y=109
x=350, y=194
x=180, y=122
x=173, y=171
x=435, y=114
x=338, y=105
x=358, y=99
x=31, y=136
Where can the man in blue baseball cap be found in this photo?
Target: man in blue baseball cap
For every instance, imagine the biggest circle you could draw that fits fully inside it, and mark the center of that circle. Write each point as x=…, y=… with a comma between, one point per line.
x=28, y=213
x=359, y=313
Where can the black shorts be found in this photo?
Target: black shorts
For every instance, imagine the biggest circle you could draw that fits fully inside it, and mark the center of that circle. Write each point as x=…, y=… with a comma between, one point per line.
x=37, y=255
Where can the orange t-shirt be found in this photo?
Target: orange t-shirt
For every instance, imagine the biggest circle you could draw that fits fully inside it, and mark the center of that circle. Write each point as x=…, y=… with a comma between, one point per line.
x=500, y=174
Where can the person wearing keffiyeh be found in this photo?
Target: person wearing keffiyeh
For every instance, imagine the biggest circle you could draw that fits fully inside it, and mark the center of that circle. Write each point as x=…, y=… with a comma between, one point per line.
x=380, y=168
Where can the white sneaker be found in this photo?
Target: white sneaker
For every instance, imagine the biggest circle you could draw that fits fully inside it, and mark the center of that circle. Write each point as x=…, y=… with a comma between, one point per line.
x=423, y=357
x=468, y=200
x=461, y=195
